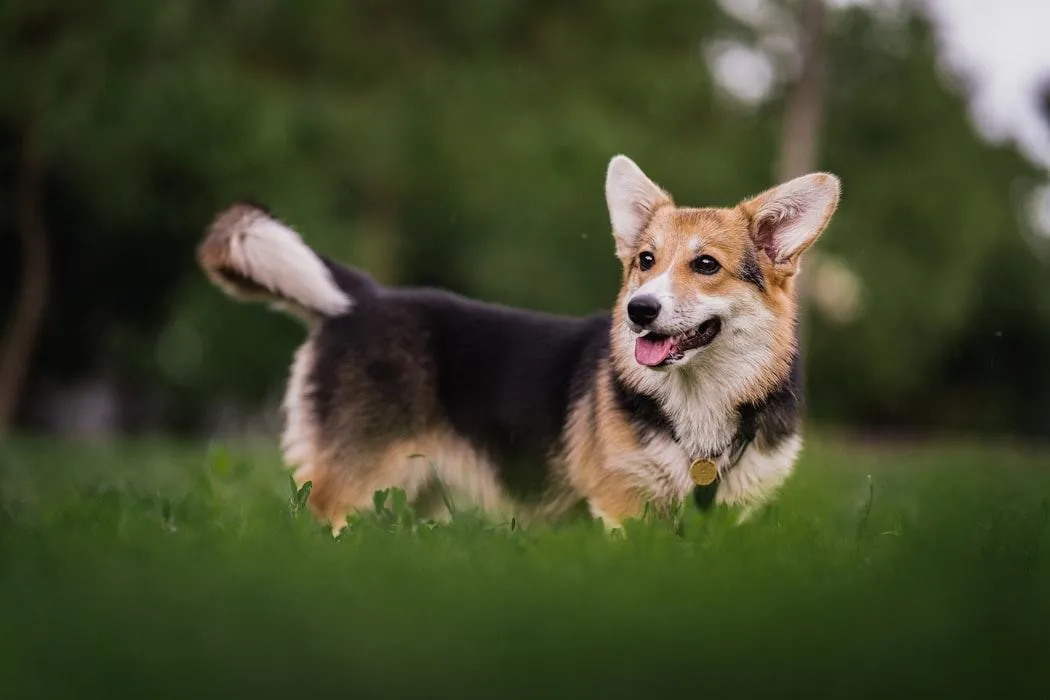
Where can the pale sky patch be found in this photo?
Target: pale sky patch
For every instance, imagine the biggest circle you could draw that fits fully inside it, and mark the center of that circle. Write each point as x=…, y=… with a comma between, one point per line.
x=1000, y=50
x=1003, y=50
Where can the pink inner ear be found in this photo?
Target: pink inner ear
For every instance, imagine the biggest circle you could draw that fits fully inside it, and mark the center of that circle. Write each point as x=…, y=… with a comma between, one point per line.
x=765, y=236
x=773, y=226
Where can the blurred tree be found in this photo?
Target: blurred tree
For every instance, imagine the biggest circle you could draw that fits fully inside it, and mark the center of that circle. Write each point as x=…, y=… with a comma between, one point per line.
x=804, y=103
x=803, y=117
x=464, y=145
x=19, y=341
x=22, y=109
x=929, y=216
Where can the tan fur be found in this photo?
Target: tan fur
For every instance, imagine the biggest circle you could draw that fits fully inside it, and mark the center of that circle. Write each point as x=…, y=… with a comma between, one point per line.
x=345, y=479
x=598, y=433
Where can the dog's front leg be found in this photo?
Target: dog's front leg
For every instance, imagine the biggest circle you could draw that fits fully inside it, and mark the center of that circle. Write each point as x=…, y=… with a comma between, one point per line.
x=615, y=505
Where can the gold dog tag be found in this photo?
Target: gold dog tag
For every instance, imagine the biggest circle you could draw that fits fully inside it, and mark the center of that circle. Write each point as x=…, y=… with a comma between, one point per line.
x=703, y=471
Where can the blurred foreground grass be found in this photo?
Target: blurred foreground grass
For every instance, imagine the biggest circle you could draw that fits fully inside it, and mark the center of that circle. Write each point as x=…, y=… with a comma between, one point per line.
x=168, y=570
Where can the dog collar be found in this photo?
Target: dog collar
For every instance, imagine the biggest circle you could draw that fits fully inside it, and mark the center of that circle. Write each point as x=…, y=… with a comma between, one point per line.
x=704, y=471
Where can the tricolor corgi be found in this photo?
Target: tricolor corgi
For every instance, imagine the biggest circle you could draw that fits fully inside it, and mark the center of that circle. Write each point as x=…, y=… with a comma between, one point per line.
x=688, y=389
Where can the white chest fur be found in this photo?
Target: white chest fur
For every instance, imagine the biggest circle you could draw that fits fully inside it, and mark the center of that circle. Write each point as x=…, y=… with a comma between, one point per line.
x=662, y=469
x=705, y=423
x=759, y=474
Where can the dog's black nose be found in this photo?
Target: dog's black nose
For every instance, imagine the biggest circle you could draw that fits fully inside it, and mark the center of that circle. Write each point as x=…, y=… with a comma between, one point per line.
x=643, y=310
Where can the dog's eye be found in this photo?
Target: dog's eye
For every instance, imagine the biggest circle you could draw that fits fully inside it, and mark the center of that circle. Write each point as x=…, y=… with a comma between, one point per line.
x=646, y=260
x=705, y=265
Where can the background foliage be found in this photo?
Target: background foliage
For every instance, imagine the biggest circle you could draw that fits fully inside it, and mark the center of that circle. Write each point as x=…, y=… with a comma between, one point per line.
x=463, y=145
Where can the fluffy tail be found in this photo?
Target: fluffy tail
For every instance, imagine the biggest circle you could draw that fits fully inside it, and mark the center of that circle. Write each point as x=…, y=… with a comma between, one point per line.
x=252, y=256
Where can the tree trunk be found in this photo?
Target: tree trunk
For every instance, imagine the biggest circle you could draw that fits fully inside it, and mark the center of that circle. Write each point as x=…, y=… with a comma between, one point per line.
x=803, y=118
x=23, y=331
x=803, y=113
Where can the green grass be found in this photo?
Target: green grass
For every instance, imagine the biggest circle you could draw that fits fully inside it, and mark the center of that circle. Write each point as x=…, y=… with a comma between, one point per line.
x=164, y=570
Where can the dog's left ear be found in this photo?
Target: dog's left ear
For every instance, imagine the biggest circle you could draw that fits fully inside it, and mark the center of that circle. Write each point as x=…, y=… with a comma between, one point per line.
x=632, y=198
x=788, y=219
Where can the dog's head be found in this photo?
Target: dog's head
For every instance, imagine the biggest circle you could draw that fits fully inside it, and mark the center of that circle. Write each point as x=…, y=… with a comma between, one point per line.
x=711, y=285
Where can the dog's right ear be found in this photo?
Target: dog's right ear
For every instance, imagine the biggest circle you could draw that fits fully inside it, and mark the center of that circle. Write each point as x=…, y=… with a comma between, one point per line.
x=790, y=217
x=632, y=198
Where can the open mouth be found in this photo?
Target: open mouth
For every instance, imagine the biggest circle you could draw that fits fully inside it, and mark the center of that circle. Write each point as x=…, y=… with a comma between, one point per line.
x=656, y=350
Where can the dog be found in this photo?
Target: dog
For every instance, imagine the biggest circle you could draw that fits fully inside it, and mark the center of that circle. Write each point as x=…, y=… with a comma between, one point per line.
x=689, y=388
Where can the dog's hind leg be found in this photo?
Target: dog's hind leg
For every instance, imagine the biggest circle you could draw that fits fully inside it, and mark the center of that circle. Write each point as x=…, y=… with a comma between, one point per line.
x=346, y=482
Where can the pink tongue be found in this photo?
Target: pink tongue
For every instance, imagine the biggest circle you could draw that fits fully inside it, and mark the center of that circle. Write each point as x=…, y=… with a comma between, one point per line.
x=652, y=352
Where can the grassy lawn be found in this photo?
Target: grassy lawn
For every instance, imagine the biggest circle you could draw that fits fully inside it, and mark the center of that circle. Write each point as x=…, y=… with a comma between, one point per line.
x=166, y=570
